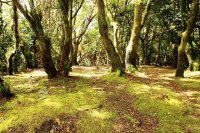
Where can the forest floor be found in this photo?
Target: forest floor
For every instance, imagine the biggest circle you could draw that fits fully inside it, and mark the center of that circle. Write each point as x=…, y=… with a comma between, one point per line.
x=93, y=101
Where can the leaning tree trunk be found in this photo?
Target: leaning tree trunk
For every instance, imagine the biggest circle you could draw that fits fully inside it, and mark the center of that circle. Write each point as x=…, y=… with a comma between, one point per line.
x=184, y=39
x=139, y=21
x=131, y=51
x=108, y=44
x=46, y=57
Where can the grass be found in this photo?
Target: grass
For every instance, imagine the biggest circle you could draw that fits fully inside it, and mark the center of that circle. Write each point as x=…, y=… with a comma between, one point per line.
x=114, y=78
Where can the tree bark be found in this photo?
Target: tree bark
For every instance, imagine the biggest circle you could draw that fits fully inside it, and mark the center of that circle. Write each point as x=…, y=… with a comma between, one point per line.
x=185, y=36
x=158, y=62
x=139, y=21
x=65, y=62
x=10, y=62
x=108, y=44
x=1, y=19
x=131, y=51
x=175, y=55
x=17, y=39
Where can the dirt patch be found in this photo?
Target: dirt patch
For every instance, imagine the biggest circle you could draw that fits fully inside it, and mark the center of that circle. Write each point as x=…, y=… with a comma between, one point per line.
x=135, y=122
x=61, y=124
x=129, y=120
x=19, y=129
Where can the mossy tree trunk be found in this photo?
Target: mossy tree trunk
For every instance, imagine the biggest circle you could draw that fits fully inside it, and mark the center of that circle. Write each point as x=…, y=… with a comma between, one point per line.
x=114, y=57
x=17, y=39
x=65, y=62
x=34, y=17
x=116, y=36
x=139, y=21
x=131, y=51
x=185, y=36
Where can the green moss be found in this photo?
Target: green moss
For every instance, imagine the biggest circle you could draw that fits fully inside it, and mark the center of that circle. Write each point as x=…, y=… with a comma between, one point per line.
x=39, y=99
x=113, y=78
x=167, y=106
x=189, y=83
x=46, y=100
x=5, y=89
x=96, y=121
x=131, y=69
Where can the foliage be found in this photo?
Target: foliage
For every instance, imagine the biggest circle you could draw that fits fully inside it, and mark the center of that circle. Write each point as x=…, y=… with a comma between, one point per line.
x=4, y=90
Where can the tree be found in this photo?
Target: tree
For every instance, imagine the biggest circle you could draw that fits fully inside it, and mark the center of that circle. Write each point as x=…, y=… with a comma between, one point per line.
x=139, y=21
x=185, y=37
x=66, y=10
x=114, y=57
x=17, y=39
x=35, y=17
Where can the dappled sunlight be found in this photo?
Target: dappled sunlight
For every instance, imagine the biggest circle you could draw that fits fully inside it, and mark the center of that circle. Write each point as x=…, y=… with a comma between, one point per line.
x=142, y=75
x=39, y=99
x=89, y=71
x=190, y=93
x=25, y=85
x=52, y=102
x=102, y=114
x=99, y=98
x=166, y=78
x=6, y=123
x=189, y=74
x=32, y=74
x=173, y=101
x=192, y=84
x=140, y=88
x=89, y=75
x=35, y=73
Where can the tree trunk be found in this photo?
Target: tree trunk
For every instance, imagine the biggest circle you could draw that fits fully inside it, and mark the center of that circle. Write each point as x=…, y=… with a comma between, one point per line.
x=28, y=61
x=158, y=62
x=139, y=21
x=199, y=65
x=66, y=48
x=35, y=52
x=46, y=57
x=1, y=19
x=175, y=55
x=131, y=51
x=117, y=42
x=10, y=62
x=17, y=39
x=185, y=36
x=108, y=44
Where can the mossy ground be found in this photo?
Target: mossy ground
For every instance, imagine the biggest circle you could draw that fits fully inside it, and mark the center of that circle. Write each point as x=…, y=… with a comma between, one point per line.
x=152, y=101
